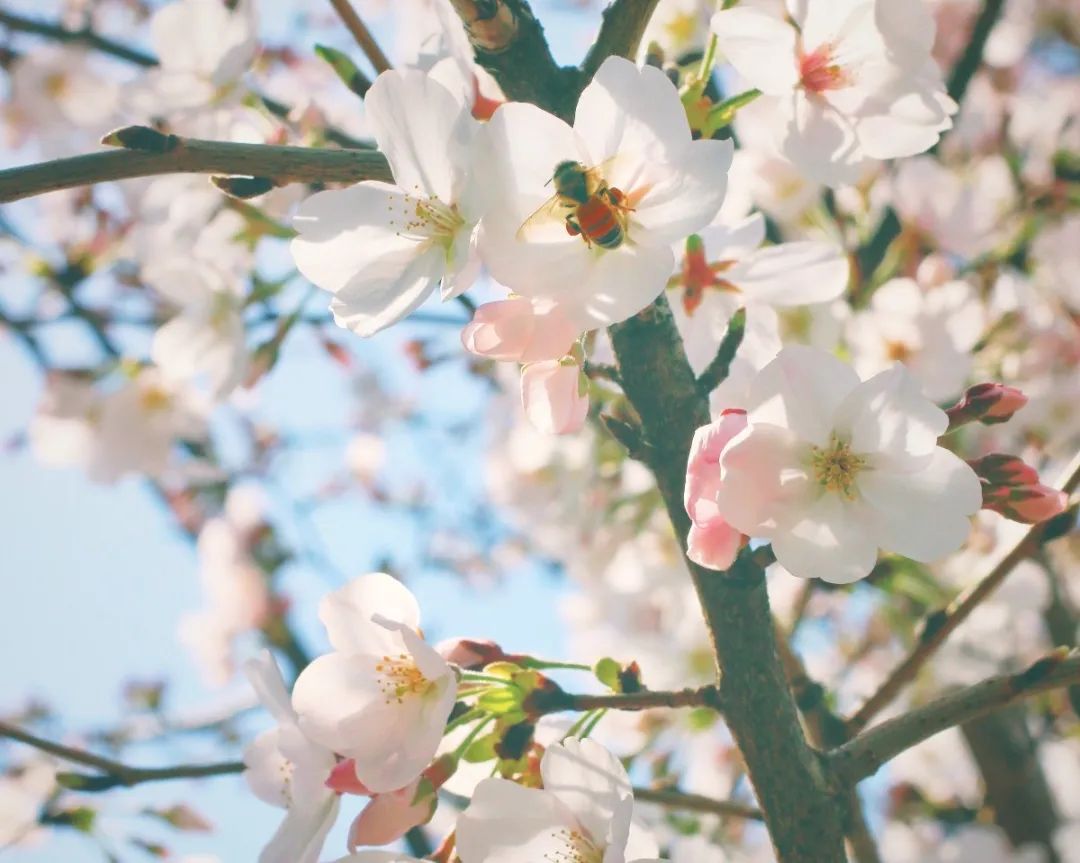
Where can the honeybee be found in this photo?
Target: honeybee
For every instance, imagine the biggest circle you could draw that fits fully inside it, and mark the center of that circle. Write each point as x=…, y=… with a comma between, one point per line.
x=587, y=205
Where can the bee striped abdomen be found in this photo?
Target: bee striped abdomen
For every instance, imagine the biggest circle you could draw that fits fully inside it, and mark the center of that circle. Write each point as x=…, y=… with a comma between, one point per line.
x=599, y=223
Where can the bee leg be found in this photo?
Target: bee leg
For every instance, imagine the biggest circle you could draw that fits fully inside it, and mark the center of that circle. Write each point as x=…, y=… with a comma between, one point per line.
x=618, y=199
x=572, y=227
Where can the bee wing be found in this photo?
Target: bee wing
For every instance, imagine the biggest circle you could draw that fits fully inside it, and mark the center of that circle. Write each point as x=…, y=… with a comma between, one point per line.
x=554, y=209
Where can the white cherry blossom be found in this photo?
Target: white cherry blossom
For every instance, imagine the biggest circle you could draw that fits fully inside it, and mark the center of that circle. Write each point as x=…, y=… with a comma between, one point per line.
x=630, y=127
x=583, y=814
x=831, y=469
x=851, y=80
x=931, y=332
x=287, y=769
x=383, y=696
x=381, y=249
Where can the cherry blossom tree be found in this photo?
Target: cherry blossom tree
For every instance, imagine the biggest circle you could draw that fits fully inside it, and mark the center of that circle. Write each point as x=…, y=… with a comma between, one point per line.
x=756, y=327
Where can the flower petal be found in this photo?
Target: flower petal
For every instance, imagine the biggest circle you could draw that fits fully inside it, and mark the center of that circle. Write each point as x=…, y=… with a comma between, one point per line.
x=801, y=390
x=760, y=46
x=347, y=613
x=588, y=780
x=791, y=274
x=923, y=514
x=508, y=823
x=829, y=541
x=889, y=414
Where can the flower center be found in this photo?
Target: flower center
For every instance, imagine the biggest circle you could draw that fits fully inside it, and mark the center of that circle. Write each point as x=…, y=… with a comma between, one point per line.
x=819, y=71
x=429, y=220
x=577, y=847
x=399, y=677
x=836, y=466
x=897, y=351
x=153, y=399
x=698, y=274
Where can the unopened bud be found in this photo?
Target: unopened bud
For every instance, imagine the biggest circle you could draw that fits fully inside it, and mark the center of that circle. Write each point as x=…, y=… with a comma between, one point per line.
x=1028, y=504
x=988, y=403
x=343, y=779
x=1001, y=469
x=469, y=653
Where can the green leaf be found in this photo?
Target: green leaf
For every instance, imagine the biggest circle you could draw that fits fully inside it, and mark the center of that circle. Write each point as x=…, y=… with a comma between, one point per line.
x=344, y=68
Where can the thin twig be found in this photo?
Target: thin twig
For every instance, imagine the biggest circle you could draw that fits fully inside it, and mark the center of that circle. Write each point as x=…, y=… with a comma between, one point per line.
x=356, y=26
x=971, y=59
x=114, y=773
x=720, y=367
x=696, y=803
x=941, y=624
x=282, y=165
x=557, y=701
x=863, y=756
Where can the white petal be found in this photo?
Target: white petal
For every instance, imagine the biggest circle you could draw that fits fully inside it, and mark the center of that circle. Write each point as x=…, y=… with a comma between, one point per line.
x=265, y=676
x=801, y=390
x=508, y=823
x=423, y=131
x=589, y=780
x=620, y=283
x=630, y=111
x=923, y=514
x=350, y=243
x=686, y=197
x=830, y=541
x=301, y=835
x=822, y=142
x=760, y=46
x=889, y=414
x=763, y=479
x=341, y=704
x=346, y=613
x=791, y=274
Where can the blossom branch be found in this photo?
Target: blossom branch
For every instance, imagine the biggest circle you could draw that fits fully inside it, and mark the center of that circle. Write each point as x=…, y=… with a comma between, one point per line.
x=114, y=773
x=155, y=153
x=620, y=34
x=939, y=625
x=863, y=756
x=356, y=26
x=696, y=803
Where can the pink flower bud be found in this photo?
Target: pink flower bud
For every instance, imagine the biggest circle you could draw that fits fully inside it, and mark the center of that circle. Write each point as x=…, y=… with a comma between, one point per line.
x=1000, y=469
x=988, y=403
x=470, y=653
x=1029, y=504
x=343, y=779
x=519, y=330
x=711, y=542
x=554, y=397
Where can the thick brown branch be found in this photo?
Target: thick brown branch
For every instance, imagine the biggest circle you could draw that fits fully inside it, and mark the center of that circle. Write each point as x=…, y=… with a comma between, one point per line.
x=356, y=26
x=509, y=42
x=863, y=756
x=282, y=165
x=696, y=803
x=114, y=773
x=802, y=815
x=620, y=34
x=940, y=625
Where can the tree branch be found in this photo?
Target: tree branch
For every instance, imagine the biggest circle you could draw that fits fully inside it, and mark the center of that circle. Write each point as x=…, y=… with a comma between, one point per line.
x=356, y=26
x=557, y=701
x=620, y=33
x=799, y=808
x=509, y=42
x=673, y=799
x=863, y=756
x=84, y=36
x=115, y=773
x=971, y=59
x=174, y=155
x=939, y=625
